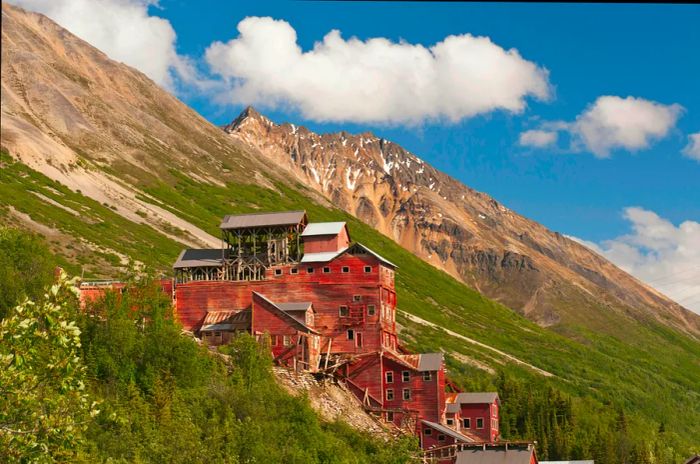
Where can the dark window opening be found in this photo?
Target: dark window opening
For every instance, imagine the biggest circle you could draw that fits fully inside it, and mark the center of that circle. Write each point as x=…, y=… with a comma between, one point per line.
x=356, y=298
x=278, y=272
x=294, y=271
x=427, y=432
x=406, y=376
x=479, y=423
x=371, y=310
x=368, y=269
x=389, y=394
x=389, y=377
x=351, y=334
x=406, y=394
x=343, y=311
x=326, y=270
x=427, y=376
x=309, y=270
x=345, y=269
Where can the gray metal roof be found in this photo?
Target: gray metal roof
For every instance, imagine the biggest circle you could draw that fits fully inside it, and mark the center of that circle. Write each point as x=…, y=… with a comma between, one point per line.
x=244, y=221
x=320, y=257
x=430, y=362
x=477, y=398
x=448, y=431
x=452, y=408
x=323, y=228
x=207, y=257
x=494, y=456
x=294, y=306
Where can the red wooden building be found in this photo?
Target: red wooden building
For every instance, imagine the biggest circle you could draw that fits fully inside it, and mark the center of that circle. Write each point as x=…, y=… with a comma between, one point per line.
x=325, y=303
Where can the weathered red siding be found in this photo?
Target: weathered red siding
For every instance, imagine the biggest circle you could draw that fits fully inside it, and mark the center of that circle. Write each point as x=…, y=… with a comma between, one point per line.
x=327, y=290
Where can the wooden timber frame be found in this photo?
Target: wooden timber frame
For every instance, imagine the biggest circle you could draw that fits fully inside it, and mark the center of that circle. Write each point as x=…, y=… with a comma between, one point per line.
x=247, y=252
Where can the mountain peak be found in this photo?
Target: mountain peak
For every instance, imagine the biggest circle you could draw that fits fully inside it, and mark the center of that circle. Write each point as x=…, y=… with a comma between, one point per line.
x=247, y=115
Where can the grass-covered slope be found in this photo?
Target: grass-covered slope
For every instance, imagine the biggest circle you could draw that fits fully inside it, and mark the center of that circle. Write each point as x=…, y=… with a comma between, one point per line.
x=618, y=391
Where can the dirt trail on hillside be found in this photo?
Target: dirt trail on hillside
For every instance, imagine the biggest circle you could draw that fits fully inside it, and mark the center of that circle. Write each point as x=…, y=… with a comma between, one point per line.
x=509, y=357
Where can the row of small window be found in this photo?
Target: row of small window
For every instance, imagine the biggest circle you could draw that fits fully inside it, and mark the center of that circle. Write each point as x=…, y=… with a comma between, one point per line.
x=326, y=270
x=467, y=423
x=406, y=376
x=390, y=394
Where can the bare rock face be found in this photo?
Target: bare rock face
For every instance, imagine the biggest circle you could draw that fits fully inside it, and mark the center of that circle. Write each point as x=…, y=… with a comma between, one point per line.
x=531, y=269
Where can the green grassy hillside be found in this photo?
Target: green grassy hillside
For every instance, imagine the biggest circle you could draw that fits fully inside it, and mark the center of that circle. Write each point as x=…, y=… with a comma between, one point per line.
x=632, y=397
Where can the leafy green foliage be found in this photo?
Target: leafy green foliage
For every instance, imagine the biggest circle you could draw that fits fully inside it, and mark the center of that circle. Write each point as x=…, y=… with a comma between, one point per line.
x=26, y=268
x=167, y=399
x=44, y=407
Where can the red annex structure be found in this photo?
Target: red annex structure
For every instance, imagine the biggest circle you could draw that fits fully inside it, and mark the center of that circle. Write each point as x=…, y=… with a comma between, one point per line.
x=328, y=305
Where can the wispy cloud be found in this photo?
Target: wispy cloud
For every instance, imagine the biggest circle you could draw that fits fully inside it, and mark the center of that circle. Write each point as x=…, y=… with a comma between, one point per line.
x=657, y=252
x=692, y=150
x=374, y=80
x=537, y=138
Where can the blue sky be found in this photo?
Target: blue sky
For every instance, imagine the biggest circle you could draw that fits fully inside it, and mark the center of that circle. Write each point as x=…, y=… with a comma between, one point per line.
x=617, y=203
x=590, y=50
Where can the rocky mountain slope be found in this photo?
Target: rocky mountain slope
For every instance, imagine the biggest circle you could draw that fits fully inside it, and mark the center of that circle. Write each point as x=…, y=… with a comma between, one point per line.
x=542, y=274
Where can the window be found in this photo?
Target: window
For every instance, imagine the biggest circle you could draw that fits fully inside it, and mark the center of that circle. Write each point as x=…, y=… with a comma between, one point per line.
x=356, y=298
x=217, y=334
x=351, y=334
x=441, y=437
x=368, y=269
x=427, y=431
x=406, y=376
x=479, y=422
x=358, y=339
x=406, y=394
x=390, y=416
x=273, y=340
x=309, y=270
x=427, y=376
x=371, y=310
x=389, y=375
x=466, y=423
x=389, y=394
x=450, y=421
x=343, y=311
x=278, y=272
x=286, y=340
x=345, y=269
x=294, y=270
x=326, y=270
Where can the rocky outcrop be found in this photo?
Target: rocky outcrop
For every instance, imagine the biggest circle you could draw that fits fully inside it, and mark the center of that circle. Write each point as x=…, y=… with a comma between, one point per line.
x=455, y=228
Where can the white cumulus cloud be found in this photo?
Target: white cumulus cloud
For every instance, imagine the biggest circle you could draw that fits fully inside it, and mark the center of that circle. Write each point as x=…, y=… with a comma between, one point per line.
x=124, y=30
x=657, y=252
x=692, y=150
x=374, y=80
x=613, y=122
x=631, y=123
x=537, y=138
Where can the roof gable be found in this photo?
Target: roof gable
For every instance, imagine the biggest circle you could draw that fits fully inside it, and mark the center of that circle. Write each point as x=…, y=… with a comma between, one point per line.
x=282, y=314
